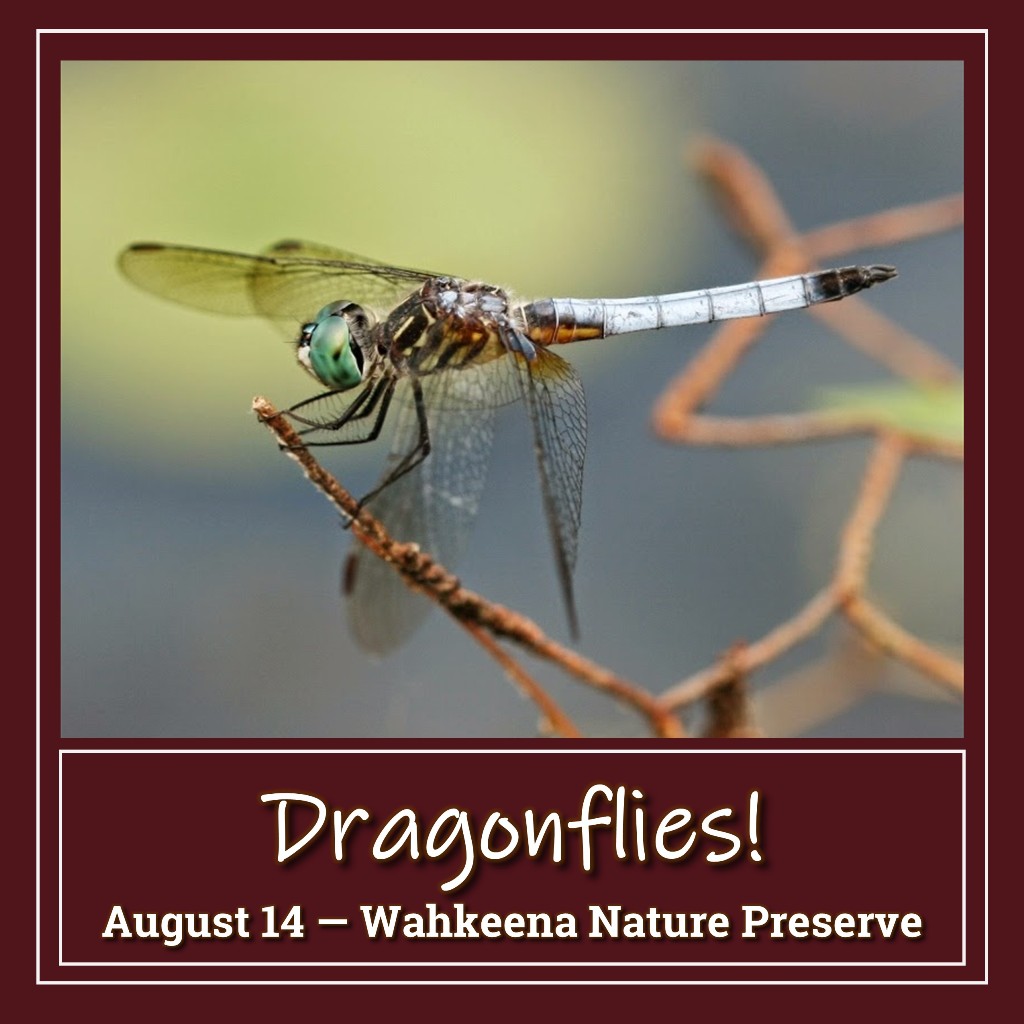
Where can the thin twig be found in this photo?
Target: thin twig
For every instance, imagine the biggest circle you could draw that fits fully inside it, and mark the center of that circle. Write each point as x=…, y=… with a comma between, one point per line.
x=852, y=570
x=897, y=224
x=898, y=350
x=844, y=593
x=896, y=641
x=748, y=431
x=556, y=719
x=468, y=608
x=857, y=538
x=754, y=209
x=744, y=193
x=752, y=656
x=796, y=428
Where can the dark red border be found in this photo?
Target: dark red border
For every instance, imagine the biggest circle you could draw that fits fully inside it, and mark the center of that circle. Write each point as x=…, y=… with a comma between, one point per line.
x=655, y=46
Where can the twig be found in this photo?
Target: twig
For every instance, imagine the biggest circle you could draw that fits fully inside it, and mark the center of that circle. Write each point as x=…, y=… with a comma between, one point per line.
x=745, y=195
x=898, y=224
x=748, y=431
x=854, y=558
x=558, y=721
x=469, y=609
x=754, y=209
x=887, y=343
x=880, y=476
x=844, y=594
x=895, y=640
x=753, y=656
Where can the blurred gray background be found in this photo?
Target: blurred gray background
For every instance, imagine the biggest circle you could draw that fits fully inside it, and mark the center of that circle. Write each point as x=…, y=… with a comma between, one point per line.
x=199, y=569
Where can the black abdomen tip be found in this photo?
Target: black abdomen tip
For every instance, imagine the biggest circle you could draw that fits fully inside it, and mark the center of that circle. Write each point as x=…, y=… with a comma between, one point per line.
x=877, y=273
x=830, y=285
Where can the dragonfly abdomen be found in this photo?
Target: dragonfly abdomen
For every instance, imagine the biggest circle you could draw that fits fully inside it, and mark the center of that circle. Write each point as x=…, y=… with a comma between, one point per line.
x=561, y=321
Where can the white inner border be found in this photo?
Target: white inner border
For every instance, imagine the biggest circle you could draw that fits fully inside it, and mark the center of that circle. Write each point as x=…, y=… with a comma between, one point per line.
x=476, y=965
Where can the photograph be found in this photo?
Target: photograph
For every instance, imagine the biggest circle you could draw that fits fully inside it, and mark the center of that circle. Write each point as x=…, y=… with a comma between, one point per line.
x=517, y=399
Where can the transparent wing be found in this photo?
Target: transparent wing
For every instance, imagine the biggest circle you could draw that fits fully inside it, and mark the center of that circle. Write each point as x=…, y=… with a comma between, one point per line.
x=433, y=505
x=557, y=406
x=368, y=282
x=287, y=283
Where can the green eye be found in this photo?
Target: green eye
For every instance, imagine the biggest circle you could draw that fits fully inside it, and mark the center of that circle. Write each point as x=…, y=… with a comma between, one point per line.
x=332, y=355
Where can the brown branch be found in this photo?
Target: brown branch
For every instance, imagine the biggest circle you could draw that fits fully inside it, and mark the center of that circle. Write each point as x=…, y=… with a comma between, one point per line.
x=887, y=343
x=795, y=428
x=852, y=569
x=898, y=224
x=423, y=573
x=751, y=204
x=844, y=594
x=892, y=638
x=754, y=209
x=749, y=657
x=857, y=538
x=556, y=719
x=524, y=631
x=926, y=445
x=745, y=195
x=748, y=431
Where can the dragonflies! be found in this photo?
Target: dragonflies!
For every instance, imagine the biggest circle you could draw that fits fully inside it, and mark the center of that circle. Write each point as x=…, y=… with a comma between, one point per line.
x=440, y=354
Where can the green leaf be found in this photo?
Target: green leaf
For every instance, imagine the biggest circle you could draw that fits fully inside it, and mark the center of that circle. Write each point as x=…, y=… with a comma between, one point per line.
x=936, y=411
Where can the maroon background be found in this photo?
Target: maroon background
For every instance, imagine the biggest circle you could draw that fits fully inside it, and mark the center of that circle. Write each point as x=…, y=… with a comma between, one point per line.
x=166, y=832
x=150, y=814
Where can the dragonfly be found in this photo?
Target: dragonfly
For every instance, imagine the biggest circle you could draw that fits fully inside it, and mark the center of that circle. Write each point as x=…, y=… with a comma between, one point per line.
x=437, y=356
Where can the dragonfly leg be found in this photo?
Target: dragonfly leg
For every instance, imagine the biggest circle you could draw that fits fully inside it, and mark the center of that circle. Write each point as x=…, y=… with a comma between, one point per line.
x=413, y=458
x=378, y=404
x=350, y=413
x=368, y=403
x=309, y=401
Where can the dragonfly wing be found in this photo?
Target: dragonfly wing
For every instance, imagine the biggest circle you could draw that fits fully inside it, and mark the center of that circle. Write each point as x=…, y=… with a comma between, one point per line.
x=344, y=275
x=287, y=284
x=554, y=397
x=434, y=504
x=206, y=279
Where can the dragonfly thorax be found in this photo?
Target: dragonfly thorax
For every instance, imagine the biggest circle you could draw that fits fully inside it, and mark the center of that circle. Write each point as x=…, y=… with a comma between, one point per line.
x=448, y=322
x=471, y=303
x=331, y=345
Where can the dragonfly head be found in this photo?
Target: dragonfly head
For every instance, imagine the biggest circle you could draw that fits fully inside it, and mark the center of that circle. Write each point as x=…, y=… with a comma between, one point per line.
x=329, y=346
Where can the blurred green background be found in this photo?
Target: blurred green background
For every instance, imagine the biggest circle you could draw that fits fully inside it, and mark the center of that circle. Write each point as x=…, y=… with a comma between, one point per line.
x=200, y=572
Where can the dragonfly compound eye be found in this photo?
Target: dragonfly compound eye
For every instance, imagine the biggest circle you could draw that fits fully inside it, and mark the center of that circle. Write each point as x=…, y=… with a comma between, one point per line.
x=329, y=351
